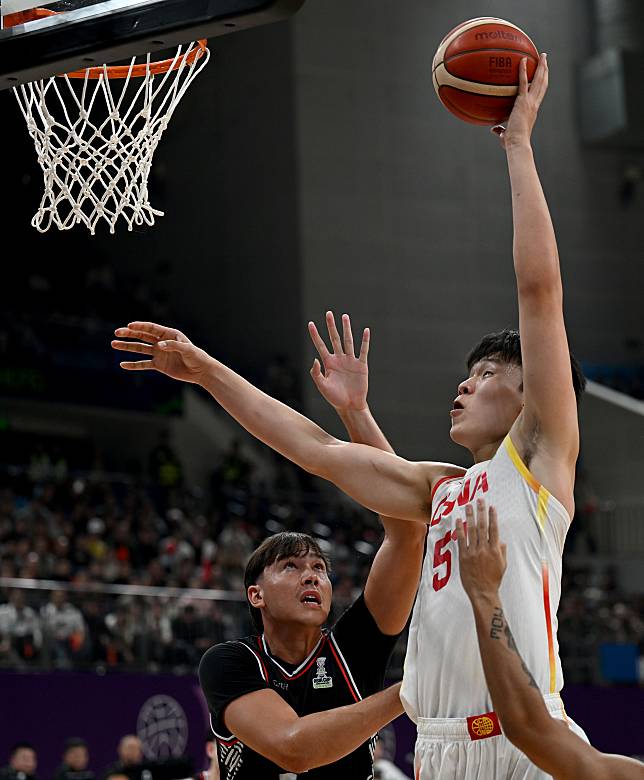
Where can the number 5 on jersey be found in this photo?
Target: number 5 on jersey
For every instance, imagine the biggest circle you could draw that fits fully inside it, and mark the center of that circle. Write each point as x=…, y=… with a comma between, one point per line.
x=442, y=556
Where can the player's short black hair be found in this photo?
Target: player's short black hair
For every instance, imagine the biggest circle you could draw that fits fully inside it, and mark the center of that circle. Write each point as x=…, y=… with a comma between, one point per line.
x=286, y=544
x=505, y=345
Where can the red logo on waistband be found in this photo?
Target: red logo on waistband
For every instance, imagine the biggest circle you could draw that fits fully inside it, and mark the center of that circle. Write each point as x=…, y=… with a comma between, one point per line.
x=483, y=726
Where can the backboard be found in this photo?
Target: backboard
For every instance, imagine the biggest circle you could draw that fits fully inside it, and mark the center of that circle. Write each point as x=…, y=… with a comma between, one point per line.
x=71, y=34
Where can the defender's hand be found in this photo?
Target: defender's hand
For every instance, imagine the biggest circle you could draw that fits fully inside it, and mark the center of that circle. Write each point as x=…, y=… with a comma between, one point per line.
x=345, y=381
x=170, y=351
x=526, y=107
x=481, y=556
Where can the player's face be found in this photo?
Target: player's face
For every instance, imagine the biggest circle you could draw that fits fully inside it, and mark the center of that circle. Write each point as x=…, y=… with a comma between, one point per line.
x=296, y=590
x=487, y=404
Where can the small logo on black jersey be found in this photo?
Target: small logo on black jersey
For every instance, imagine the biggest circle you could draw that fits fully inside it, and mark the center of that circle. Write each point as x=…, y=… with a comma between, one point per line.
x=322, y=679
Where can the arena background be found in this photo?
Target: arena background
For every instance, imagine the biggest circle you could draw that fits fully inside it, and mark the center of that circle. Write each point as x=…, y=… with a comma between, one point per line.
x=311, y=167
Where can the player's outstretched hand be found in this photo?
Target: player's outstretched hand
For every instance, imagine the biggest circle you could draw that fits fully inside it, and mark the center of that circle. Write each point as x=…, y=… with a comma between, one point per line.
x=345, y=380
x=170, y=352
x=526, y=107
x=481, y=555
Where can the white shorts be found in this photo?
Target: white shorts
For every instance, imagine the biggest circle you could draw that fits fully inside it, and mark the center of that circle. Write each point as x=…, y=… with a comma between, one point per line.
x=445, y=749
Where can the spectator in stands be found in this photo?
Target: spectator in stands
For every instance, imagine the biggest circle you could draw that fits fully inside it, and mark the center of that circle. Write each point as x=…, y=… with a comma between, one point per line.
x=165, y=466
x=64, y=629
x=211, y=627
x=118, y=636
x=185, y=630
x=235, y=545
x=22, y=763
x=153, y=638
x=20, y=633
x=234, y=470
x=95, y=622
x=75, y=761
x=580, y=538
x=45, y=466
x=146, y=548
x=212, y=772
x=130, y=758
x=132, y=764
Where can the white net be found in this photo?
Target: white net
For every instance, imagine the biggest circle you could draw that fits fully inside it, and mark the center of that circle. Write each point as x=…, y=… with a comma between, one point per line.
x=95, y=138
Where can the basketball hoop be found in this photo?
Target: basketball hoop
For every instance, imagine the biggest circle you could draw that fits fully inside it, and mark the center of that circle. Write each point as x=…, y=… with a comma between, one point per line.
x=96, y=149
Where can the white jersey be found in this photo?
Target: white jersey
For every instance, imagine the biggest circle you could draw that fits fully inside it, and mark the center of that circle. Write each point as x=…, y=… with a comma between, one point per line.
x=443, y=675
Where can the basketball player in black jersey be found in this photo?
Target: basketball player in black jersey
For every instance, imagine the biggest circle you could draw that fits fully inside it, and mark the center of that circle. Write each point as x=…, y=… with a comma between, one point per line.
x=294, y=696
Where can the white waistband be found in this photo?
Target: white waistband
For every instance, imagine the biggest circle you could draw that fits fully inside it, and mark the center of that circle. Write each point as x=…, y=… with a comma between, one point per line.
x=452, y=729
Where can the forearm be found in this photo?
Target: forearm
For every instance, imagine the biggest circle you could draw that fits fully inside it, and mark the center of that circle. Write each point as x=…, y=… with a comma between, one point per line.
x=363, y=429
x=515, y=696
x=325, y=737
x=546, y=741
x=269, y=420
x=536, y=260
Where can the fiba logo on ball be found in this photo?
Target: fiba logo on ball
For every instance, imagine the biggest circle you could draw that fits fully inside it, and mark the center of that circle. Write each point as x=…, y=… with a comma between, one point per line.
x=482, y=726
x=162, y=727
x=475, y=70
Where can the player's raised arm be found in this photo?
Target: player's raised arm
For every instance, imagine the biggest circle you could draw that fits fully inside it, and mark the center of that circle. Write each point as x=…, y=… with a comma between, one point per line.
x=550, y=411
x=378, y=480
x=344, y=382
x=546, y=741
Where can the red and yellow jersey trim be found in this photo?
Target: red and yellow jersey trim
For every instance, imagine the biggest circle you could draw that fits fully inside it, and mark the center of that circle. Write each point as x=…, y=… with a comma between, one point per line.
x=552, y=663
x=543, y=495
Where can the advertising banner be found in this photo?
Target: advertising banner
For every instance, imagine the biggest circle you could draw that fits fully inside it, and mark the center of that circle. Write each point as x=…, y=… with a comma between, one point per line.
x=167, y=712
x=169, y=715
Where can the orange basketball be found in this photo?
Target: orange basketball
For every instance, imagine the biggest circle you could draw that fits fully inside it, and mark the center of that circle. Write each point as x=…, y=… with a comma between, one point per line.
x=476, y=69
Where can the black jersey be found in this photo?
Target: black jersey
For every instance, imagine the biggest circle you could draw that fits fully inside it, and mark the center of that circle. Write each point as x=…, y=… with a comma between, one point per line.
x=346, y=665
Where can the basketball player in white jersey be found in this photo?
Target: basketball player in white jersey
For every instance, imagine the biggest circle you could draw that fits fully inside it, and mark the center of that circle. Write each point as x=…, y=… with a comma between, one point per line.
x=516, y=414
x=525, y=720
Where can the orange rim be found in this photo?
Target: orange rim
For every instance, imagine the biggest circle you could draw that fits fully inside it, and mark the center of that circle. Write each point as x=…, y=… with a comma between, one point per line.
x=112, y=71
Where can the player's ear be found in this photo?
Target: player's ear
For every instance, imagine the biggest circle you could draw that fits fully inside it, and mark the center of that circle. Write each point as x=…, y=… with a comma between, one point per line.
x=255, y=596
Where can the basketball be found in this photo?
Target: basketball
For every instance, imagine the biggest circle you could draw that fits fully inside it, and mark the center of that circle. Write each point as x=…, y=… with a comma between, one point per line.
x=476, y=69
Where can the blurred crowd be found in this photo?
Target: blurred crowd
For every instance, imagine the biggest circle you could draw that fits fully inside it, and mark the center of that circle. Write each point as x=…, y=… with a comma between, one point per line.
x=83, y=528
x=598, y=622
x=97, y=538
